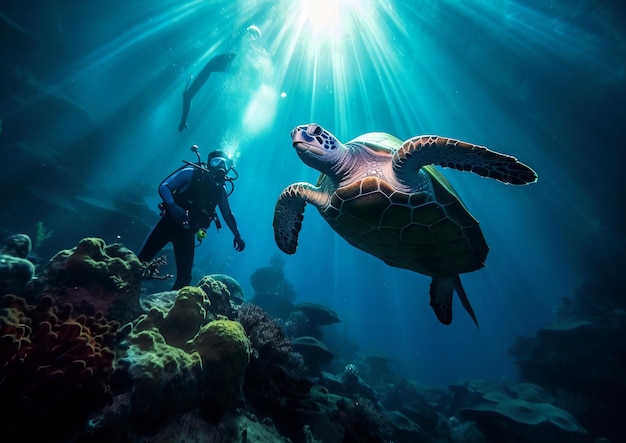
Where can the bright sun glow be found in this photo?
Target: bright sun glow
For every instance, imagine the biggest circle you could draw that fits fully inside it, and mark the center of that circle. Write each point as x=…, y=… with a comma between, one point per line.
x=329, y=21
x=331, y=45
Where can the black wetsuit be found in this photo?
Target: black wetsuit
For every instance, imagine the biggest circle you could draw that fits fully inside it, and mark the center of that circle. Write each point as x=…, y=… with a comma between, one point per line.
x=190, y=196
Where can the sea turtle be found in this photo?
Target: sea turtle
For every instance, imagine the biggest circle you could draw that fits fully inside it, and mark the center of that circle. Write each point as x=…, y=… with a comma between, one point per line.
x=384, y=197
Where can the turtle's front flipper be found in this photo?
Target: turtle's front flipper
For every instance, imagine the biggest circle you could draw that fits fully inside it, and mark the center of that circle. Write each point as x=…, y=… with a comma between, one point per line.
x=289, y=213
x=449, y=153
x=441, y=289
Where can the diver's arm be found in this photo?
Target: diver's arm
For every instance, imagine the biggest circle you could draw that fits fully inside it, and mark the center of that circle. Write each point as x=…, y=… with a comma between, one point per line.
x=228, y=216
x=216, y=64
x=230, y=221
x=178, y=181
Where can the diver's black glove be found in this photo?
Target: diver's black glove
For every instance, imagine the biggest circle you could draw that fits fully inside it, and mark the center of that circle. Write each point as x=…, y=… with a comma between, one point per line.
x=239, y=244
x=179, y=214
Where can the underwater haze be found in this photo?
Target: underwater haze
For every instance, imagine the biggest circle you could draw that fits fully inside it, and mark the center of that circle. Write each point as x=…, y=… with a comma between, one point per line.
x=91, y=99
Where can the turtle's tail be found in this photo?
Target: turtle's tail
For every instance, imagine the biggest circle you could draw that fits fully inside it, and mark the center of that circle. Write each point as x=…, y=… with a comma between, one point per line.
x=441, y=290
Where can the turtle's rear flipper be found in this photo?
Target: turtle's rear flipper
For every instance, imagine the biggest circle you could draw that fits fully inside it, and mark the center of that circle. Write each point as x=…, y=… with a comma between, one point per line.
x=464, y=300
x=441, y=289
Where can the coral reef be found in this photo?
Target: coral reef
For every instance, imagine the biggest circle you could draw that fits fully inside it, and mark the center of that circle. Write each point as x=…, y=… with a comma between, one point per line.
x=41, y=234
x=17, y=245
x=271, y=280
x=273, y=303
x=362, y=421
x=191, y=427
x=314, y=352
x=54, y=367
x=317, y=314
x=202, y=365
x=225, y=353
x=96, y=277
x=305, y=319
x=181, y=359
x=584, y=354
x=16, y=272
x=273, y=378
x=181, y=321
x=235, y=290
x=515, y=419
x=218, y=295
x=163, y=377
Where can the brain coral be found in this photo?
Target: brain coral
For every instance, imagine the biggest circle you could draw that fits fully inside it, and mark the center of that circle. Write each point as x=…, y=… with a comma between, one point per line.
x=177, y=361
x=183, y=319
x=225, y=352
x=95, y=275
x=54, y=366
x=164, y=377
x=218, y=295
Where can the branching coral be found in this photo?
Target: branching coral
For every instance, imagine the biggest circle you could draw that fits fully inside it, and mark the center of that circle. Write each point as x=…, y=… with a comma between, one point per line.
x=273, y=375
x=150, y=270
x=54, y=366
x=361, y=421
x=42, y=233
x=267, y=339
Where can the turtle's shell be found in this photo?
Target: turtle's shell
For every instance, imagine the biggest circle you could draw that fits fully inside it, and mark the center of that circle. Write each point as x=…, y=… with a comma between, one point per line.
x=430, y=233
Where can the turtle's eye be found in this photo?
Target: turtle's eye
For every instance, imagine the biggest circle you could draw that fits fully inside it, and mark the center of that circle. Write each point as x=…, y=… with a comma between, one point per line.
x=314, y=130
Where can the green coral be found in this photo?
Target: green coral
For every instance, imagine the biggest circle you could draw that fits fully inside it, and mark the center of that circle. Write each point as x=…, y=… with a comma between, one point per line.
x=182, y=321
x=41, y=234
x=113, y=267
x=178, y=360
x=225, y=352
x=163, y=376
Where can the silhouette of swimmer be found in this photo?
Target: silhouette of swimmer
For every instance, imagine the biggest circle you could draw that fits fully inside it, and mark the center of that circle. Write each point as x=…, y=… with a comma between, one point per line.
x=219, y=63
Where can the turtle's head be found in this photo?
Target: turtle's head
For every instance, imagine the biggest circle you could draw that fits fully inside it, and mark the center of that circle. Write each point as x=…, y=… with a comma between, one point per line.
x=317, y=147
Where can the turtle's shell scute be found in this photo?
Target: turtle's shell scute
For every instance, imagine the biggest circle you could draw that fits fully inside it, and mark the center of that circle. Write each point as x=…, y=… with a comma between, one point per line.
x=428, y=233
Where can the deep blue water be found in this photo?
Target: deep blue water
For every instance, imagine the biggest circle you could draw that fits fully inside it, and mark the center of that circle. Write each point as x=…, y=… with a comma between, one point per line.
x=90, y=101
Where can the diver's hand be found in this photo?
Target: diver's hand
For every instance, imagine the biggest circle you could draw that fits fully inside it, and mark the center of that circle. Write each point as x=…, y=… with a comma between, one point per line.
x=239, y=244
x=182, y=126
x=179, y=214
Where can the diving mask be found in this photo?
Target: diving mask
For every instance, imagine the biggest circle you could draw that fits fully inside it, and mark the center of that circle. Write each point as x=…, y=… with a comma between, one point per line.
x=220, y=163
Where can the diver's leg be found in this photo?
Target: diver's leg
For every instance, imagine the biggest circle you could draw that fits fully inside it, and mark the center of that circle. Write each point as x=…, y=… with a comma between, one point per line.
x=184, y=250
x=157, y=239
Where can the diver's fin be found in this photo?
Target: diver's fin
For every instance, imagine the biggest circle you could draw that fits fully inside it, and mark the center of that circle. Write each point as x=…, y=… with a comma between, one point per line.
x=464, y=300
x=441, y=289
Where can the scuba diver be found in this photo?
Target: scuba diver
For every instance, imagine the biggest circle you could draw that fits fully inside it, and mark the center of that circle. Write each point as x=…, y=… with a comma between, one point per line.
x=190, y=195
x=218, y=63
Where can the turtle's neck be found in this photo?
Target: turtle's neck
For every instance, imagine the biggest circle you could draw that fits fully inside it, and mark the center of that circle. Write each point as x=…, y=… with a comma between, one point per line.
x=357, y=164
x=343, y=171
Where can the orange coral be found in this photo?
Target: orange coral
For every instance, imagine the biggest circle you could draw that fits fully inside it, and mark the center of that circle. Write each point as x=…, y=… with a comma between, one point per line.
x=54, y=367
